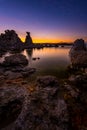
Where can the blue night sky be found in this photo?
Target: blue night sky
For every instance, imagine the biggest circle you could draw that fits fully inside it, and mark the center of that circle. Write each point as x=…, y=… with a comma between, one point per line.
x=47, y=20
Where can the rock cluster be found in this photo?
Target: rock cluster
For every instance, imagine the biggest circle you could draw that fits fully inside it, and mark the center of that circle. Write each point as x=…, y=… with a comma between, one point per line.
x=76, y=99
x=42, y=109
x=15, y=60
x=78, y=54
x=10, y=40
x=15, y=66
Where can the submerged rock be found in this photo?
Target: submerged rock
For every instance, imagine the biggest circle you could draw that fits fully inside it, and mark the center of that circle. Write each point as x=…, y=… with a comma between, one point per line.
x=78, y=54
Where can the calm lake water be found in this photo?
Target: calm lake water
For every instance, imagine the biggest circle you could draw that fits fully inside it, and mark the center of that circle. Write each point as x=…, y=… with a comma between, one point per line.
x=49, y=61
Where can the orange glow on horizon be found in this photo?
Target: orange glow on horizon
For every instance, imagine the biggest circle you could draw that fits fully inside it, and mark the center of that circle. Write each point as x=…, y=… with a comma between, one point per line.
x=23, y=39
x=39, y=40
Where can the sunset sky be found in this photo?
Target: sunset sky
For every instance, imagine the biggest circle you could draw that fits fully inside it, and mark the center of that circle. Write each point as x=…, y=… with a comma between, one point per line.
x=47, y=20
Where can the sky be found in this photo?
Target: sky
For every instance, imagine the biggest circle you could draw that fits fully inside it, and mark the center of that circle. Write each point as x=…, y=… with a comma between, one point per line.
x=47, y=20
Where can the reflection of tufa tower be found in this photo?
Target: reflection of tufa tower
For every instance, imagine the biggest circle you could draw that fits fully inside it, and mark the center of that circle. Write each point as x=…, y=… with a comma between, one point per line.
x=28, y=39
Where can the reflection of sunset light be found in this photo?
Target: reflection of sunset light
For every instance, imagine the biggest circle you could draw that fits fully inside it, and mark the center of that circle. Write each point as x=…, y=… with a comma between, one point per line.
x=25, y=53
x=47, y=52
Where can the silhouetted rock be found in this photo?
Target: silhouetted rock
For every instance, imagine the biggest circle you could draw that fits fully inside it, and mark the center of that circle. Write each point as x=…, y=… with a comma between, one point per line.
x=79, y=45
x=10, y=41
x=28, y=40
x=42, y=109
x=35, y=58
x=78, y=53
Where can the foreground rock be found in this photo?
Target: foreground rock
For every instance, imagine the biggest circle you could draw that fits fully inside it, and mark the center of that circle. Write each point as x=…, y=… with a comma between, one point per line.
x=13, y=102
x=15, y=60
x=15, y=66
x=16, y=73
x=76, y=99
x=78, y=54
x=42, y=109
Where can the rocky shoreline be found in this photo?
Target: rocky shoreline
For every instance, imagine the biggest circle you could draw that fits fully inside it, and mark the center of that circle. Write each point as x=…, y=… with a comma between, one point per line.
x=48, y=103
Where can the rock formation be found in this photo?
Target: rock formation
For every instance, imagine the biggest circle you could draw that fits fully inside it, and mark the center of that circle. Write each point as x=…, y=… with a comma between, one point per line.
x=15, y=66
x=15, y=60
x=10, y=40
x=28, y=40
x=42, y=109
x=78, y=53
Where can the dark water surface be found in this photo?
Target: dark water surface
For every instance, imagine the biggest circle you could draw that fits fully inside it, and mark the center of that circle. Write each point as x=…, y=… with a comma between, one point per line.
x=53, y=61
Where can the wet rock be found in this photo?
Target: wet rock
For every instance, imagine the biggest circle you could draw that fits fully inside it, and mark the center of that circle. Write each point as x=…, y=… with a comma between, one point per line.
x=78, y=54
x=15, y=60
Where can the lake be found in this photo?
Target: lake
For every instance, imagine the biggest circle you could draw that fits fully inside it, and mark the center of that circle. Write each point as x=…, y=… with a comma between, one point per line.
x=49, y=61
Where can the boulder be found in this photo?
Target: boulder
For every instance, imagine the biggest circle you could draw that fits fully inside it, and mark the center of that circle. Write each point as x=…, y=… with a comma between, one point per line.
x=15, y=60
x=78, y=54
x=78, y=45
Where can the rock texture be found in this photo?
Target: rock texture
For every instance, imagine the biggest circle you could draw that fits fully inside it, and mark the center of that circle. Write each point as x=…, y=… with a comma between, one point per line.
x=15, y=66
x=76, y=99
x=41, y=109
x=15, y=60
x=13, y=102
x=10, y=41
x=78, y=53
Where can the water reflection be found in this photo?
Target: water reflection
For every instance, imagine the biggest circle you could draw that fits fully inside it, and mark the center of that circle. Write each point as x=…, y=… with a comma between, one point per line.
x=52, y=61
x=2, y=57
